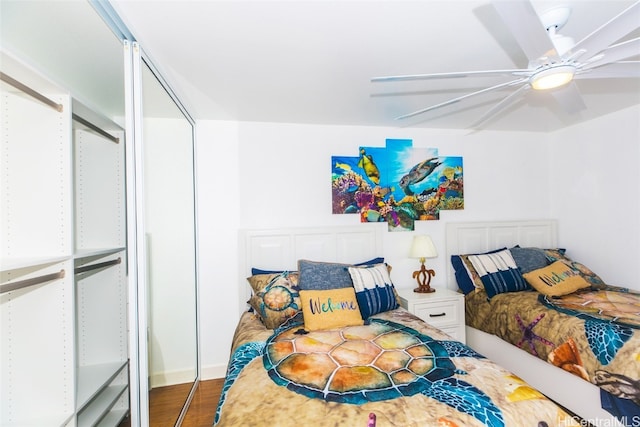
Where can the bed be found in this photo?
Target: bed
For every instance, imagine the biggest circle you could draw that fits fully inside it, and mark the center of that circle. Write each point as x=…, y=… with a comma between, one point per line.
x=579, y=345
x=375, y=365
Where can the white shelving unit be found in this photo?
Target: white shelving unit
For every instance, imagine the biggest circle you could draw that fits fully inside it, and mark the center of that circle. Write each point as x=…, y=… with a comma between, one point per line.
x=63, y=276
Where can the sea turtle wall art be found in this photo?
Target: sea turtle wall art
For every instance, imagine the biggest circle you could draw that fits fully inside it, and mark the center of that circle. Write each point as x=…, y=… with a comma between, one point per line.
x=397, y=184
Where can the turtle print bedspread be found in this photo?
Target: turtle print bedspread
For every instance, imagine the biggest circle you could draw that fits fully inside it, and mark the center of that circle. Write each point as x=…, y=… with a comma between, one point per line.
x=394, y=371
x=593, y=334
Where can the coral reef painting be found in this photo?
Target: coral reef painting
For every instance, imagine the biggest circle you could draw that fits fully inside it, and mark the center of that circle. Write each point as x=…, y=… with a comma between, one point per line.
x=397, y=184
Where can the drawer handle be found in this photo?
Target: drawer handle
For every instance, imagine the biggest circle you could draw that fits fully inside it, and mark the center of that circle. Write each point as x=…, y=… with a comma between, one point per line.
x=437, y=315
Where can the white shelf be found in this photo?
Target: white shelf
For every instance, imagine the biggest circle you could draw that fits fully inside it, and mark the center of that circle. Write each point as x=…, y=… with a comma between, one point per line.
x=92, y=379
x=113, y=418
x=64, y=352
x=32, y=262
x=100, y=406
x=97, y=252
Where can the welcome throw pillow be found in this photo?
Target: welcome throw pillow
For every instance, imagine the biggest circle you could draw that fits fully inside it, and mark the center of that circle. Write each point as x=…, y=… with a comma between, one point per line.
x=556, y=279
x=330, y=309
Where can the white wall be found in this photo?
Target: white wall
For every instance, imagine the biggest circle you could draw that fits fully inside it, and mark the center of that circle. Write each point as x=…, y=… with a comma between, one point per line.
x=218, y=223
x=595, y=194
x=267, y=175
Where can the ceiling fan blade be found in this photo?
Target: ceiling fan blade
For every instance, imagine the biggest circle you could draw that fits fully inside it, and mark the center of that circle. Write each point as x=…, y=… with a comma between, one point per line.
x=622, y=69
x=508, y=100
x=453, y=75
x=460, y=98
x=569, y=98
x=610, y=32
x=524, y=23
x=615, y=53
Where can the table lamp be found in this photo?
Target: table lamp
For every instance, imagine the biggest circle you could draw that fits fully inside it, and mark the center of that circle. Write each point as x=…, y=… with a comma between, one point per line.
x=422, y=247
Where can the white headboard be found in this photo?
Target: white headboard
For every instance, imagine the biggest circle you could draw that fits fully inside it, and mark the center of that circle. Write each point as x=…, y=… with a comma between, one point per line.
x=476, y=237
x=280, y=249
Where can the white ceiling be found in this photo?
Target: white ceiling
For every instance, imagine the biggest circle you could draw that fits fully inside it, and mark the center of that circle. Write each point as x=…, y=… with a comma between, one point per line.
x=312, y=61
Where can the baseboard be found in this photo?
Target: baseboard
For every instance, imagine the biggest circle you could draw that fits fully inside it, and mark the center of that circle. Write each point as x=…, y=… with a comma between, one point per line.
x=172, y=378
x=210, y=372
x=213, y=372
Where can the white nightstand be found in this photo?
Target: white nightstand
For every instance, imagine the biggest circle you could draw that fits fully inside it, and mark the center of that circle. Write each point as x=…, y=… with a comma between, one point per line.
x=443, y=309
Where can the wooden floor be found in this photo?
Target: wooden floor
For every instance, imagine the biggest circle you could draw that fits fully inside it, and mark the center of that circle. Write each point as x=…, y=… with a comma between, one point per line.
x=204, y=404
x=165, y=404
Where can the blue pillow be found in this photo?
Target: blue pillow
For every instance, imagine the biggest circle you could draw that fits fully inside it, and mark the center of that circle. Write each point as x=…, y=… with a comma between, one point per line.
x=529, y=259
x=374, y=261
x=462, y=275
x=256, y=271
x=317, y=276
x=374, y=289
x=499, y=273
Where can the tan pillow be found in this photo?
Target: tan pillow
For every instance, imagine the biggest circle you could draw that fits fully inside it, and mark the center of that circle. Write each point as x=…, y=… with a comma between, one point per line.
x=275, y=297
x=330, y=309
x=471, y=270
x=556, y=279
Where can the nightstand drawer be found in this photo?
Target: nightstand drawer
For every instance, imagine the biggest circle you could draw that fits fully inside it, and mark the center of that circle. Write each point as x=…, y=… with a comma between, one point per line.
x=440, y=313
x=443, y=309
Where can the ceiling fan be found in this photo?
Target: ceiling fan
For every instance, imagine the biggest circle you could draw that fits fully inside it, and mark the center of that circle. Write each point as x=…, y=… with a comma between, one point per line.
x=555, y=61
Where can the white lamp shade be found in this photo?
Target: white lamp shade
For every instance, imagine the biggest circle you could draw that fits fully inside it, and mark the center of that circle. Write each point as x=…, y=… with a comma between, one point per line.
x=423, y=247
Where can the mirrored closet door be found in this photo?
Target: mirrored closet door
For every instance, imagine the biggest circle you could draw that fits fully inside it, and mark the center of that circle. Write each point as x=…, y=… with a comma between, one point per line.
x=169, y=308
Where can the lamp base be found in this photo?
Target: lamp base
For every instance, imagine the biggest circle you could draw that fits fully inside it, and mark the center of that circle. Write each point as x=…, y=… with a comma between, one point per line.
x=425, y=290
x=423, y=277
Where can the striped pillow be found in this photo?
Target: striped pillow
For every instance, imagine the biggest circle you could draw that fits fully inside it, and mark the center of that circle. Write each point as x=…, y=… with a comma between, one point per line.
x=374, y=289
x=499, y=273
x=466, y=276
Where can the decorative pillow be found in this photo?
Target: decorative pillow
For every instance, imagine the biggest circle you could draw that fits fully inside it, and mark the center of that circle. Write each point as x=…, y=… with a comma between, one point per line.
x=466, y=275
x=316, y=275
x=373, y=261
x=498, y=272
x=529, y=259
x=255, y=270
x=374, y=289
x=586, y=273
x=556, y=279
x=554, y=254
x=275, y=297
x=323, y=275
x=330, y=309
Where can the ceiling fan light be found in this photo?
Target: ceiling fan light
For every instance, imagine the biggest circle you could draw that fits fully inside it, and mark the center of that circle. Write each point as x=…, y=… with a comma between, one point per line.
x=552, y=77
